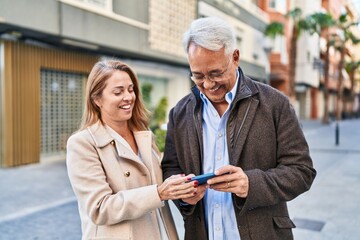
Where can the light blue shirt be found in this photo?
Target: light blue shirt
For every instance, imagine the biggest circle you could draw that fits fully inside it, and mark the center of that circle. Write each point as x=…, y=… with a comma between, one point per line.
x=219, y=210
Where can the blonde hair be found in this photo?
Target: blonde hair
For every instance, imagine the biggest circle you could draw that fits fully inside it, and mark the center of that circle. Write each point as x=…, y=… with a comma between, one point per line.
x=95, y=86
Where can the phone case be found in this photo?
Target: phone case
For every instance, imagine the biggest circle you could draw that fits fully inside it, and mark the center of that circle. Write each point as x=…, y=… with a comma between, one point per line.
x=203, y=178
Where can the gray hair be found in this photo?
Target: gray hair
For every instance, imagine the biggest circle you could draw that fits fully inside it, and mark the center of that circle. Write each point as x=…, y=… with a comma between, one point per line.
x=212, y=33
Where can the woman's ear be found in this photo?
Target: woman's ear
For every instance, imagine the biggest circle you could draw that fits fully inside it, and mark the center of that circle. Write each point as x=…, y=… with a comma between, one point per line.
x=97, y=101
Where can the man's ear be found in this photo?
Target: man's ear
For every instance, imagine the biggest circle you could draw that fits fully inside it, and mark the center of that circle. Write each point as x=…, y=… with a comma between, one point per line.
x=236, y=55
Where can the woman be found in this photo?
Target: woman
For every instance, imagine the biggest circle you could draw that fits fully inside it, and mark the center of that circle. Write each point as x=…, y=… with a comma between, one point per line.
x=114, y=165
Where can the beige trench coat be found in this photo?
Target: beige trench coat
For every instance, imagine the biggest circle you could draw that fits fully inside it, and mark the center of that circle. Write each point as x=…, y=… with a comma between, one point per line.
x=116, y=191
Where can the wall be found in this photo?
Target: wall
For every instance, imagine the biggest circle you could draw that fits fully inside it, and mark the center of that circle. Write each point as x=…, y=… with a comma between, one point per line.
x=20, y=116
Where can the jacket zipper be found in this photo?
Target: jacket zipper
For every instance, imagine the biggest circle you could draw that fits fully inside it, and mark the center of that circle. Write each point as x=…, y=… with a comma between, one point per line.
x=243, y=121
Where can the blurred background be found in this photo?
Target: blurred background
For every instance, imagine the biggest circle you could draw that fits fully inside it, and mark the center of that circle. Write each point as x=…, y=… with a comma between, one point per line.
x=308, y=49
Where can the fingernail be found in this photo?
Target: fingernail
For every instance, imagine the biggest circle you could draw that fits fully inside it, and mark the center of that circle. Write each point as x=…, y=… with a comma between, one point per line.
x=196, y=182
x=194, y=193
x=182, y=174
x=188, y=179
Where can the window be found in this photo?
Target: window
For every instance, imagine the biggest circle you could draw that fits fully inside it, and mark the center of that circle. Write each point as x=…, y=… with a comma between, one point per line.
x=272, y=3
x=61, y=108
x=239, y=39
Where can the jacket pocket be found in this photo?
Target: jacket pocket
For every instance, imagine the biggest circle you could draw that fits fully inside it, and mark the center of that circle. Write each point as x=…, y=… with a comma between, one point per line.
x=283, y=222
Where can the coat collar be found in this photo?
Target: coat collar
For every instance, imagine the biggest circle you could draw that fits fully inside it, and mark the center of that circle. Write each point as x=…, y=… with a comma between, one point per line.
x=143, y=139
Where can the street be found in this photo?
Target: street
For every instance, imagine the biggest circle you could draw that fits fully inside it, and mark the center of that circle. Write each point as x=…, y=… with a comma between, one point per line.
x=37, y=201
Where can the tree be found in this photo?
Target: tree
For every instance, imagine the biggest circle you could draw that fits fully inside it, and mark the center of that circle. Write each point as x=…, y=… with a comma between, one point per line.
x=351, y=68
x=276, y=29
x=340, y=42
x=319, y=23
x=299, y=24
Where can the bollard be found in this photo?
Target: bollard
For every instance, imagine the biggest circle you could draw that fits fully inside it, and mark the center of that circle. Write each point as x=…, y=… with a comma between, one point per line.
x=337, y=133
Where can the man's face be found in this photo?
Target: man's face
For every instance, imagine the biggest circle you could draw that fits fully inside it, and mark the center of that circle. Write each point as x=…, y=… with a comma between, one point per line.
x=214, y=73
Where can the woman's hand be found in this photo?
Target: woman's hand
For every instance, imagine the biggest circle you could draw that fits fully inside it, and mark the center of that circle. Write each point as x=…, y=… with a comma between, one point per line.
x=177, y=187
x=198, y=195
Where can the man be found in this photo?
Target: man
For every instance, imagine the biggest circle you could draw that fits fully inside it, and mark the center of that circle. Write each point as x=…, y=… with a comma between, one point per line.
x=244, y=131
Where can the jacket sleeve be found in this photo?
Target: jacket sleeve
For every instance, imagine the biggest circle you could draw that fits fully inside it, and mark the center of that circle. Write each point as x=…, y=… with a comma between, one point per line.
x=293, y=173
x=95, y=196
x=170, y=165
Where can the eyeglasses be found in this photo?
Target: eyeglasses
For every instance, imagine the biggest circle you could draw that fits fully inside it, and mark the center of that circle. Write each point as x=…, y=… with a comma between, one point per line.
x=214, y=77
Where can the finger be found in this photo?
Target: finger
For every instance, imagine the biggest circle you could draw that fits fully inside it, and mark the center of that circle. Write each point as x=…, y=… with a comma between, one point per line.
x=227, y=186
x=219, y=179
x=177, y=180
x=226, y=169
x=177, y=176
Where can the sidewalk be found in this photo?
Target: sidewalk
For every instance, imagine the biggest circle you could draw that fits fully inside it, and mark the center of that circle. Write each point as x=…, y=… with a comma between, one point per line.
x=37, y=201
x=331, y=209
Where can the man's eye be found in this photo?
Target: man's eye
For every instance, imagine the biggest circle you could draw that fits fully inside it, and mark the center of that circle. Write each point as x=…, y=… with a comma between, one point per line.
x=215, y=75
x=198, y=77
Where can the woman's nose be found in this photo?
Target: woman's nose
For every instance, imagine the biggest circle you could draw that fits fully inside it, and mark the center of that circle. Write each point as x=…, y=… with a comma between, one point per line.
x=127, y=96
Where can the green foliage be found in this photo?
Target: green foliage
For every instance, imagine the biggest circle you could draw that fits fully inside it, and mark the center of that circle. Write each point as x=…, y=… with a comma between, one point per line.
x=353, y=65
x=294, y=14
x=146, y=89
x=158, y=115
x=274, y=29
x=160, y=136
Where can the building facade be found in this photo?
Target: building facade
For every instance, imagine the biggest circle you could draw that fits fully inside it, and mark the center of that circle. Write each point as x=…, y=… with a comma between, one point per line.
x=47, y=48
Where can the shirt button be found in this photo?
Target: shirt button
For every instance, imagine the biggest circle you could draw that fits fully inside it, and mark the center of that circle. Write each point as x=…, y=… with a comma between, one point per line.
x=217, y=205
x=217, y=229
x=218, y=158
x=220, y=135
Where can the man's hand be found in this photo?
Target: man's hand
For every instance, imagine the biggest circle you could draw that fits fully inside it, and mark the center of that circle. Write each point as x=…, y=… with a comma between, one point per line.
x=236, y=181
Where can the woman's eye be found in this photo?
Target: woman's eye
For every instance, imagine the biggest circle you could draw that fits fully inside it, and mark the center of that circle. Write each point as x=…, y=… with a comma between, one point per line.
x=117, y=93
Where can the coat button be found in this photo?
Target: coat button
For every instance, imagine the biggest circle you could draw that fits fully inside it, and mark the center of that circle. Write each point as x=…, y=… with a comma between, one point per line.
x=127, y=174
x=112, y=142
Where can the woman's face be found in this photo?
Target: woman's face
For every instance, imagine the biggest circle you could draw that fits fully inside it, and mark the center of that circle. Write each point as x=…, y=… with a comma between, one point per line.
x=117, y=100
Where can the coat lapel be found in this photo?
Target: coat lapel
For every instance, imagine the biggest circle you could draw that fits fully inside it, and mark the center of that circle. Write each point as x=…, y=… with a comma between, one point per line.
x=143, y=141
x=103, y=138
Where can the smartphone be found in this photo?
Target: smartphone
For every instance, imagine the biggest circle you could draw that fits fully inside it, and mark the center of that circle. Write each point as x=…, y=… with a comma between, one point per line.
x=203, y=178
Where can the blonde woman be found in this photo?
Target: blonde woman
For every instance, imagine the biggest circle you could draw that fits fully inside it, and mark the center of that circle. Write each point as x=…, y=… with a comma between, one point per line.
x=114, y=165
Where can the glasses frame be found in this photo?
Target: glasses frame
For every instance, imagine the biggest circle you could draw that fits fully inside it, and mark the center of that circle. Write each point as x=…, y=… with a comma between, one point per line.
x=218, y=77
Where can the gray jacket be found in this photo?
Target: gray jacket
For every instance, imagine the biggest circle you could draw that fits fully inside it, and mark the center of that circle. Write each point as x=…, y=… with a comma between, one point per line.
x=264, y=139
